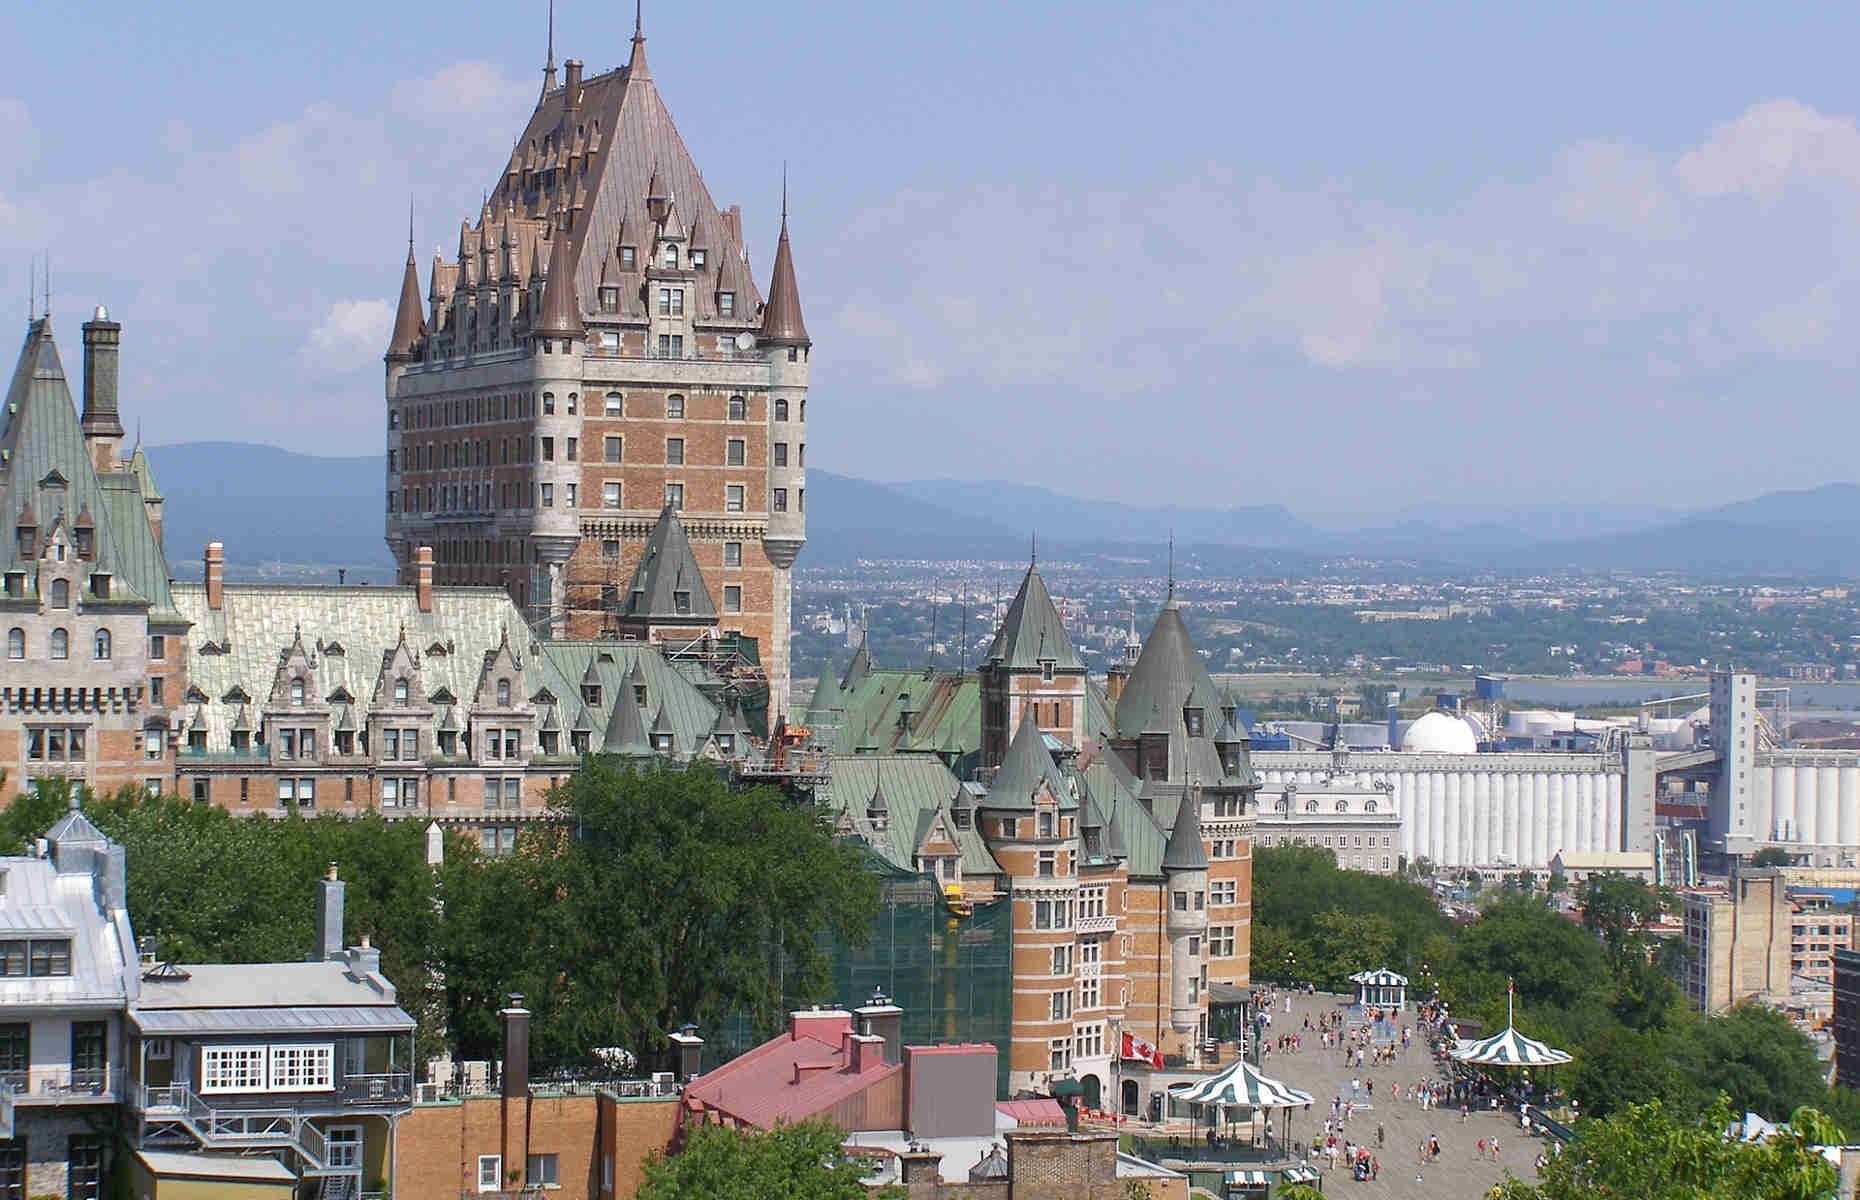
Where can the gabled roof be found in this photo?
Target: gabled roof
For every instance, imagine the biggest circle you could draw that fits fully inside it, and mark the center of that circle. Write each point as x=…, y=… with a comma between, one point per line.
x=42, y=440
x=916, y=786
x=1026, y=765
x=666, y=570
x=1169, y=676
x=1032, y=632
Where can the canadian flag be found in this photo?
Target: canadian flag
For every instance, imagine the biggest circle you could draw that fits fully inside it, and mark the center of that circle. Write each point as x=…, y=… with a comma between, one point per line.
x=1135, y=1049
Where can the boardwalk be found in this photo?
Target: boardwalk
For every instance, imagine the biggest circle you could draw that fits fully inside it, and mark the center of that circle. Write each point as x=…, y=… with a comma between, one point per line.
x=1460, y=1174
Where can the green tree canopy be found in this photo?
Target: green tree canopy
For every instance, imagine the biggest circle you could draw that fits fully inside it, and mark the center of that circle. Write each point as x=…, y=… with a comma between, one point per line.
x=1650, y=1153
x=800, y=1162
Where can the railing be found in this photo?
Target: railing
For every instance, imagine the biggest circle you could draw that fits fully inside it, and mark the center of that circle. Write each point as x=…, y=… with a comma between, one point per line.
x=61, y=1084
x=311, y=1141
x=387, y=1088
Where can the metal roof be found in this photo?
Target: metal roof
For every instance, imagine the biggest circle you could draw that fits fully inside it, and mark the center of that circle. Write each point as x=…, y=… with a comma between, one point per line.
x=667, y=569
x=1032, y=632
x=170, y=1164
x=262, y=985
x=917, y=789
x=293, y=1018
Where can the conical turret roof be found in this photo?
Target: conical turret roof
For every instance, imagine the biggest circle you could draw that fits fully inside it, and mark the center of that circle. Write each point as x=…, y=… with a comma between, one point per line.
x=626, y=729
x=409, y=318
x=1170, y=668
x=781, y=317
x=1184, y=851
x=1033, y=631
x=1026, y=765
x=560, y=314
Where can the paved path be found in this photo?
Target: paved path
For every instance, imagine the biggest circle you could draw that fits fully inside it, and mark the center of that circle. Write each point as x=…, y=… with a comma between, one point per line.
x=1460, y=1174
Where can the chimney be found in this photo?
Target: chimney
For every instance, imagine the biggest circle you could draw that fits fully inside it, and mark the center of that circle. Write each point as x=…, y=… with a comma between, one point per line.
x=571, y=79
x=103, y=428
x=1115, y=677
x=868, y=1054
x=328, y=916
x=516, y=1075
x=882, y=1019
x=214, y=574
x=423, y=577
x=687, y=1053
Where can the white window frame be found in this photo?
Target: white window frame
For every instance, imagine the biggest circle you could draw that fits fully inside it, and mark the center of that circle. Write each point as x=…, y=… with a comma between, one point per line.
x=349, y=1139
x=232, y=1069
x=303, y=1067
x=493, y=1179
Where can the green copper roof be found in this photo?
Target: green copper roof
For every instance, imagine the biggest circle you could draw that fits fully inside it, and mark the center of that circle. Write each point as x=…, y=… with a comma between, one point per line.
x=916, y=788
x=1169, y=676
x=1032, y=632
x=1024, y=768
x=1185, y=851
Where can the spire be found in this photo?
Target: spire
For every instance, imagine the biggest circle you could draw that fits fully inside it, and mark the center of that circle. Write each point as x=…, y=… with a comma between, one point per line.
x=1184, y=851
x=549, y=67
x=781, y=316
x=561, y=307
x=1171, y=565
x=408, y=325
x=1033, y=631
x=636, y=65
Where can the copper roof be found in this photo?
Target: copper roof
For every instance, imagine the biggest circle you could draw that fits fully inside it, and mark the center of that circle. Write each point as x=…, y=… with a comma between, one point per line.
x=781, y=320
x=561, y=313
x=408, y=325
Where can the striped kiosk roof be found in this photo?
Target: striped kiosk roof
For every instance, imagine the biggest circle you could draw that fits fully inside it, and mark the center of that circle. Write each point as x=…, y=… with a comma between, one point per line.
x=1241, y=1086
x=1380, y=978
x=1508, y=1049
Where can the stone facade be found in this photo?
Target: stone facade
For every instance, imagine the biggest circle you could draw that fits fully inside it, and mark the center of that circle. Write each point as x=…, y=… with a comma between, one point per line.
x=599, y=350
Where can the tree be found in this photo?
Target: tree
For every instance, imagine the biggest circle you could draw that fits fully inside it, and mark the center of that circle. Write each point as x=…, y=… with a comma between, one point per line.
x=1649, y=1153
x=804, y=1162
x=1346, y=943
x=1618, y=910
x=1772, y=856
x=1757, y=1058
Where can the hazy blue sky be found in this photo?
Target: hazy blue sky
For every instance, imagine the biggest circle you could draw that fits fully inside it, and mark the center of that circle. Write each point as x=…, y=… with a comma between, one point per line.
x=1336, y=256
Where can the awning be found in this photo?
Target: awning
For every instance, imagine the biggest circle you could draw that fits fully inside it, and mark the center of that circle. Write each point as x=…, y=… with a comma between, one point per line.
x=1300, y=1175
x=308, y=1018
x=1256, y=1178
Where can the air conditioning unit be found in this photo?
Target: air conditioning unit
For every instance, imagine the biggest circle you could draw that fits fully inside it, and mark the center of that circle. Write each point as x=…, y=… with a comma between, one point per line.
x=663, y=1077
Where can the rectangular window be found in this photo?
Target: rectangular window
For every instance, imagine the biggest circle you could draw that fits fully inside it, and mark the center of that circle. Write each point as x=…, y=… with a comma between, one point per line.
x=49, y=957
x=232, y=1069
x=781, y=500
x=610, y=498
x=90, y=1047
x=84, y=1168
x=1059, y=1054
x=675, y=496
x=610, y=449
x=781, y=454
x=303, y=1068
x=1062, y=960
x=733, y=497
x=678, y=302
x=12, y=1170
x=1221, y=941
x=158, y=647
x=674, y=452
x=16, y=1042
x=1223, y=891
x=610, y=299
x=1089, y=992
x=572, y=450
x=671, y=345
x=491, y=1166
x=733, y=554
x=548, y=495
x=627, y=256
x=726, y=304
x=542, y=1170
x=1047, y=860
x=734, y=451
x=1061, y=1006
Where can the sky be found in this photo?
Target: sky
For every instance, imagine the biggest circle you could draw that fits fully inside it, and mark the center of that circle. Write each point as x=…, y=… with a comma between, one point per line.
x=1354, y=259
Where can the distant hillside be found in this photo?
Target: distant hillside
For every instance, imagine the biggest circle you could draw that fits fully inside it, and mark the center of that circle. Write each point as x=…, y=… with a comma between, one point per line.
x=849, y=519
x=1065, y=518
x=271, y=505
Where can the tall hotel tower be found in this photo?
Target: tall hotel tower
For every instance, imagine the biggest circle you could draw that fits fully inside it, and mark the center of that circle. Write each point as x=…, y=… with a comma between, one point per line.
x=598, y=357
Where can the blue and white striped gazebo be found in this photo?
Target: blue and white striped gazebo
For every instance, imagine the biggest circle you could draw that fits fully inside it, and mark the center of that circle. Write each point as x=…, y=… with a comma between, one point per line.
x=1381, y=988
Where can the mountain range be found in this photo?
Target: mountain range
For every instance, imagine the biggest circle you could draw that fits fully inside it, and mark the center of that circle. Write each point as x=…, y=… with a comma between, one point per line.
x=271, y=505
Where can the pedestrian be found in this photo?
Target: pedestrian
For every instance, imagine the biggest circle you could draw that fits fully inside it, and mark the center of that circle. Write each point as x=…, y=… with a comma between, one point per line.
x=1495, y=1149
x=1465, y=1112
x=1375, y=1167
x=1481, y=1144
x=1379, y=1141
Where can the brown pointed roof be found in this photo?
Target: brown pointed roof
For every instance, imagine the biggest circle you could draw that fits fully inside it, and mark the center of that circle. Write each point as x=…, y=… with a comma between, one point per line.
x=561, y=308
x=408, y=322
x=781, y=319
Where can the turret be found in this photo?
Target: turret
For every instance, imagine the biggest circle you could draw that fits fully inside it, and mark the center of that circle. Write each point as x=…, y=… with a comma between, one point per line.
x=556, y=339
x=1185, y=876
x=785, y=346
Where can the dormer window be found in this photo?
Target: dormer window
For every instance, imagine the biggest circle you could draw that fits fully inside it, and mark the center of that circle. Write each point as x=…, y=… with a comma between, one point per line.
x=28, y=539
x=1046, y=669
x=503, y=693
x=297, y=692
x=1191, y=718
x=681, y=602
x=591, y=694
x=628, y=257
x=61, y=593
x=100, y=586
x=610, y=299
x=400, y=691
x=639, y=693
x=726, y=743
x=697, y=259
x=726, y=304
x=671, y=257
x=84, y=543
x=662, y=742
x=1046, y=824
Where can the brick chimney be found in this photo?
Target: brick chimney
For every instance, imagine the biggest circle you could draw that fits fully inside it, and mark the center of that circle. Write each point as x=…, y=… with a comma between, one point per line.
x=514, y=1094
x=103, y=428
x=423, y=577
x=880, y=1018
x=215, y=574
x=329, y=892
x=687, y=1053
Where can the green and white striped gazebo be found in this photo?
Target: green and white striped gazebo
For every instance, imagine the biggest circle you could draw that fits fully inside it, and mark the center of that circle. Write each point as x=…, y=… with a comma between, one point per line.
x=1509, y=1048
x=1241, y=1085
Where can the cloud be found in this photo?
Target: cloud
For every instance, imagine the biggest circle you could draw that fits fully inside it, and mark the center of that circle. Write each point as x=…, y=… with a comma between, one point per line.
x=1744, y=246
x=350, y=331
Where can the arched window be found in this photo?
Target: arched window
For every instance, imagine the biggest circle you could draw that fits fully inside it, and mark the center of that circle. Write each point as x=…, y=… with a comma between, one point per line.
x=61, y=644
x=781, y=408
x=503, y=693
x=297, y=691
x=100, y=645
x=16, y=643
x=400, y=691
x=1311, y=806
x=739, y=409
x=675, y=407
x=61, y=593
x=671, y=256
x=1285, y=804
x=1369, y=806
x=1343, y=806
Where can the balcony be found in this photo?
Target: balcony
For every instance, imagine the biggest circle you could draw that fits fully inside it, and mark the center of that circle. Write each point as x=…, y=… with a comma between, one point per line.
x=62, y=1085
x=391, y=1087
x=1097, y=924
